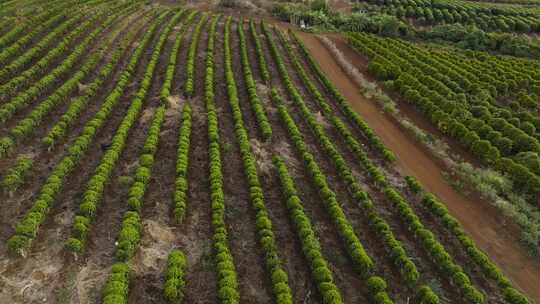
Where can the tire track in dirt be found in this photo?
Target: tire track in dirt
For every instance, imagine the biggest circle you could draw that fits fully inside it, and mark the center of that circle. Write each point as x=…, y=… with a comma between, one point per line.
x=478, y=218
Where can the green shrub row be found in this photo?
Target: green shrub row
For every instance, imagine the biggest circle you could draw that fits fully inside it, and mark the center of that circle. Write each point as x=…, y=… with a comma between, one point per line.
x=8, y=89
x=181, y=183
x=41, y=17
x=115, y=290
x=182, y=164
x=226, y=271
x=15, y=175
x=192, y=52
x=260, y=54
x=23, y=99
x=311, y=246
x=437, y=86
x=255, y=101
x=349, y=112
x=129, y=236
x=399, y=257
x=397, y=253
x=79, y=103
x=59, y=23
x=26, y=230
x=435, y=249
x=171, y=67
x=362, y=262
x=437, y=208
x=174, y=277
x=33, y=119
x=93, y=194
x=274, y=266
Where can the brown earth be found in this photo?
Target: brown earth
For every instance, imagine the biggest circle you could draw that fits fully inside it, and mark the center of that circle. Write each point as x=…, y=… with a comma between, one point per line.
x=478, y=217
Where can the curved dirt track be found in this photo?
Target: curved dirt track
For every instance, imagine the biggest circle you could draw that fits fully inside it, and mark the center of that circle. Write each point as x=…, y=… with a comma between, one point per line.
x=478, y=217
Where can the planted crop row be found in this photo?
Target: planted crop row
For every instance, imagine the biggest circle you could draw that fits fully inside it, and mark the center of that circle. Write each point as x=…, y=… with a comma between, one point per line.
x=61, y=24
x=129, y=235
x=223, y=259
x=363, y=264
x=45, y=15
x=116, y=288
x=171, y=67
x=93, y=194
x=255, y=101
x=192, y=52
x=58, y=22
x=27, y=229
x=15, y=176
x=260, y=55
x=398, y=255
x=432, y=81
x=432, y=246
x=311, y=246
x=362, y=261
x=174, y=277
x=439, y=210
x=24, y=78
x=33, y=119
x=78, y=104
x=274, y=266
x=182, y=164
x=23, y=99
x=182, y=160
x=351, y=114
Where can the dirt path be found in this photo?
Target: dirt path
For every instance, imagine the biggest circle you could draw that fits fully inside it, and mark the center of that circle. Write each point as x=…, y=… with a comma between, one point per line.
x=478, y=218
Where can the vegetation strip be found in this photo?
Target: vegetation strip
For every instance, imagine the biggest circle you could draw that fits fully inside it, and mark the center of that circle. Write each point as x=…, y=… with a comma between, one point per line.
x=432, y=246
x=116, y=288
x=11, y=91
x=310, y=244
x=33, y=119
x=349, y=112
x=27, y=228
x=279, y=277
x=192, y=52
x=95, y=187
x=23, y=99
x=174, y=277
x=255, y=102
x=78, y=104
x=226, y=271
x=438, y=209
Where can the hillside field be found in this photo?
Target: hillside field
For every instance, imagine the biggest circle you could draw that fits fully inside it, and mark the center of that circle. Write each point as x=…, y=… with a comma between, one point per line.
x=163, y=153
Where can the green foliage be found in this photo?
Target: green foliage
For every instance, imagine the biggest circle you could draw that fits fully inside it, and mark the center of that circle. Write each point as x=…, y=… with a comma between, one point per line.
x=128, y=238
x=255, y=102
x=227, y=277
x=274, y=266
x=304, y=230
x=458, y=92
x=174, y=277
x=192, y=52
x=16, y=175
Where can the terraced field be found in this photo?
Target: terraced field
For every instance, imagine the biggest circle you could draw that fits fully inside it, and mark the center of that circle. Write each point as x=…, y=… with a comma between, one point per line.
x=154, y=153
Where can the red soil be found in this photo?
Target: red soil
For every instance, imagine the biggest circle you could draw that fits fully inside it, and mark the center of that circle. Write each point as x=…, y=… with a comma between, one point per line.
x=480, y=220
